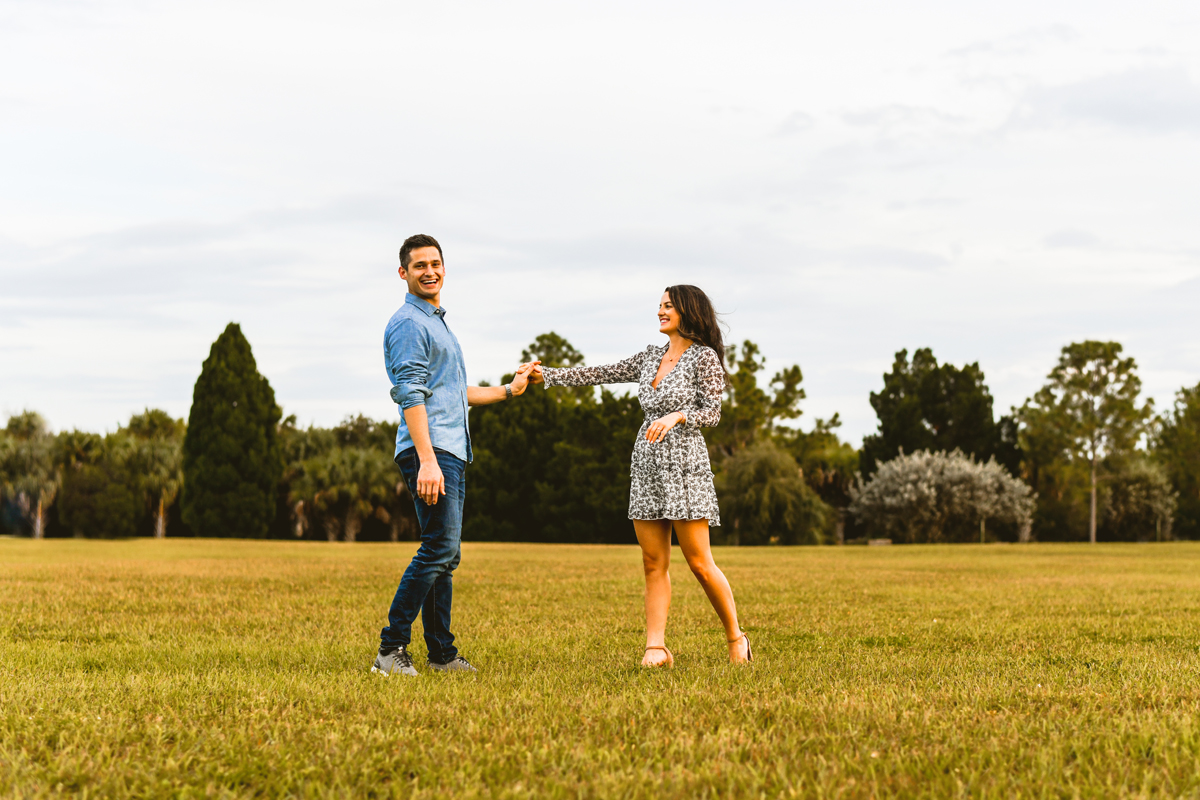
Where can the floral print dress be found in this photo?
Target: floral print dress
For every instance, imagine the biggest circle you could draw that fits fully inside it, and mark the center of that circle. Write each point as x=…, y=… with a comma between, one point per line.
x=671, y=479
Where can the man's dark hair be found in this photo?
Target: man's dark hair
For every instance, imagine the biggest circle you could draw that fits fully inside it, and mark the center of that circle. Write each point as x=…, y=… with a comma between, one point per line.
x=415, y=242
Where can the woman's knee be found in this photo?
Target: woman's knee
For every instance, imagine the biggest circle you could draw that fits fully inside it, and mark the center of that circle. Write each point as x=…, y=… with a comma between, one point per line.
x=655, y=563
x=703, y=568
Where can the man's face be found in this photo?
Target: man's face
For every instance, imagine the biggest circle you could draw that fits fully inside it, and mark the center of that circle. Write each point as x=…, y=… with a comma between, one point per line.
x=425, y=273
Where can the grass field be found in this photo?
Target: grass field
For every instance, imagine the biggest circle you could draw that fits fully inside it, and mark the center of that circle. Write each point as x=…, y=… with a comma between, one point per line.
x=237, y=669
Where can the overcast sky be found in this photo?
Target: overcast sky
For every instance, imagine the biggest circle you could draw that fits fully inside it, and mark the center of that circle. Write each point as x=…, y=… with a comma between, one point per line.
x=844, y=179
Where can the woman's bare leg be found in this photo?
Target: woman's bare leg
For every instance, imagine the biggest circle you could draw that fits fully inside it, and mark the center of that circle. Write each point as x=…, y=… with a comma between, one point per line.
x=693, y=540
x=655, y=538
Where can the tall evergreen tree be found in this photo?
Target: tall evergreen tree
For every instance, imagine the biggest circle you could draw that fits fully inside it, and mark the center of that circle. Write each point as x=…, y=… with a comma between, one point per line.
x=232, y=460
x=940, y=408
x=749, y=411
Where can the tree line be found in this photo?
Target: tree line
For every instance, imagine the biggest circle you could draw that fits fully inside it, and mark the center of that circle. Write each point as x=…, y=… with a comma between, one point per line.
x=1083, y=458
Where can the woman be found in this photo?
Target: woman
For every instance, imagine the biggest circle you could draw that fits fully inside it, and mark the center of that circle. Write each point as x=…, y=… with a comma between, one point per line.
x=679, y=387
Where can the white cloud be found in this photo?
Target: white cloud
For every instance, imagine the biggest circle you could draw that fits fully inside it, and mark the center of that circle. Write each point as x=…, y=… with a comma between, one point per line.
x=1152, y=100
x=1071, y=238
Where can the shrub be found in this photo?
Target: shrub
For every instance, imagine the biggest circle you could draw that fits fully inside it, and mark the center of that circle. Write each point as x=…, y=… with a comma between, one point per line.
x=940, y=497
x=1141, y=504
x=764, y=499
x=98, y=500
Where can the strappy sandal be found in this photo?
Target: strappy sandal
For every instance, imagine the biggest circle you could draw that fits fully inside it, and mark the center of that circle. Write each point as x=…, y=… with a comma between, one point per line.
x=749, y=652
x=670, y=662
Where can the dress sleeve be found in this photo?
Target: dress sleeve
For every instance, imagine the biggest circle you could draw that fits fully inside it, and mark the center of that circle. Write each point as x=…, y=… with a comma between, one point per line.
x=627, y=371
x=705, y=410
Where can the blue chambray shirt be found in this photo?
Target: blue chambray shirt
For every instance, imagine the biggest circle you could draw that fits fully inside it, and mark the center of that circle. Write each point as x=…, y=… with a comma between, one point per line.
x=425, y=365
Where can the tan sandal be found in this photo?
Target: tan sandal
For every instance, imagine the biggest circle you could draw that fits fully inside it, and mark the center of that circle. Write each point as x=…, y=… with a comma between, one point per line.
x=749, y=652
x=670, y=662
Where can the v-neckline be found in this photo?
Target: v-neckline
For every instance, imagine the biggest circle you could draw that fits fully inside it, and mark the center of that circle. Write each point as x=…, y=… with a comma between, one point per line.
x=672, y=369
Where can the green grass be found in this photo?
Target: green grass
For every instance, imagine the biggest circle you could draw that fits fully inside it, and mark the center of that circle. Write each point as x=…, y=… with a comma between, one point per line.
x=235, y=669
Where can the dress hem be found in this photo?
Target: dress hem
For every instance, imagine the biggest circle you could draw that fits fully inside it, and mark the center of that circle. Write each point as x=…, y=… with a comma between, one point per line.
x=712, y=523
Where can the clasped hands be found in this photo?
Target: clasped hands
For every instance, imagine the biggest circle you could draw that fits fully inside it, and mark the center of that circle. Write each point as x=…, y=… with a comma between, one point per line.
x=525, y=376
x=532, y=372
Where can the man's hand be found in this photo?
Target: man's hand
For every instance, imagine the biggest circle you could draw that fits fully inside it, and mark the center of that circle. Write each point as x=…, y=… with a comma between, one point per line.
x=431, y=483
x=521, y=380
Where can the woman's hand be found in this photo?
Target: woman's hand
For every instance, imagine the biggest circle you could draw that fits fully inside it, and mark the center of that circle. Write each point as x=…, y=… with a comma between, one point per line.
x=658, y=429
x=535, y=375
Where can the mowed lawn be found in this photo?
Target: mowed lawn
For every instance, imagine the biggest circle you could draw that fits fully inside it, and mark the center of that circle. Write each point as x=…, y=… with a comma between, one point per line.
x=238, y=669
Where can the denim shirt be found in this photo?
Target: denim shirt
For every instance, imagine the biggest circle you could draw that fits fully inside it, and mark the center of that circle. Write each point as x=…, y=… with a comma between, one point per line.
x=425, y=366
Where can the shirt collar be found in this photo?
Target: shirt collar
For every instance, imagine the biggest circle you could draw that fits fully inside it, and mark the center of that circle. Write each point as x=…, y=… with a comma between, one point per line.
x=429, y=308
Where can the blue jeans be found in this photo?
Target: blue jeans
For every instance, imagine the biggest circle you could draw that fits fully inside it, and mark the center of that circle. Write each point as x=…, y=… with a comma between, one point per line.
x=427, y=586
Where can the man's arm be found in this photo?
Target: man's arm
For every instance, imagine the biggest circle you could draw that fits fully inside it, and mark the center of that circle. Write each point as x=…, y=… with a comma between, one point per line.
x=486, y=395
x=406, y=350
x=431, y=484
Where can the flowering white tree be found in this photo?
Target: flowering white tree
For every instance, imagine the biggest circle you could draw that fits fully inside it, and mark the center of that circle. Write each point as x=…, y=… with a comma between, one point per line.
x=937, y=497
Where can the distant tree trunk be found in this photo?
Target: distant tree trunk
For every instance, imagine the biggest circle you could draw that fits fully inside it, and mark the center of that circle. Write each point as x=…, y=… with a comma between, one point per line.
x=404, y=526
x=982, y=530
x=353, y=524
x=1025, y=534
x=39, y=520
x=160, y=520
x=330, y=524
x=300, y=518
x=840, y=529
x=1092, y=519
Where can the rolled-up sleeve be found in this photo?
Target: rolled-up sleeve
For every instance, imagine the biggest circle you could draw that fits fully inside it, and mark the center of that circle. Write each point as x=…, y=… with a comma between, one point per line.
x=408, y=347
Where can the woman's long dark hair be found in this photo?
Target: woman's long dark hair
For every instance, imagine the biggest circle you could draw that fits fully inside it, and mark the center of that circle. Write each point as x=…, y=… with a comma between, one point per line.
x=697, y=317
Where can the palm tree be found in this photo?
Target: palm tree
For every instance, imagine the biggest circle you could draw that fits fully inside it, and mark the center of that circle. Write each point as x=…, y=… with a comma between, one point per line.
x=157, y=461
x=27, y=469
x=344, y=487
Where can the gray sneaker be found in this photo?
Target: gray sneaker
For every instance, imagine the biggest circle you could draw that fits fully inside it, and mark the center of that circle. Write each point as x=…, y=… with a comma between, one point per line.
x=396, y=662
x=459, y=664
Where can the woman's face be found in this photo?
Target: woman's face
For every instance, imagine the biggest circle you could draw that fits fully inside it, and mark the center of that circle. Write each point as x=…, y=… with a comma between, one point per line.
x=668, y=317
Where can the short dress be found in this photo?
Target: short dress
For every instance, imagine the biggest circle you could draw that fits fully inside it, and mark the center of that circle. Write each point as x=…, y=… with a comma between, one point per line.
x=671, y=479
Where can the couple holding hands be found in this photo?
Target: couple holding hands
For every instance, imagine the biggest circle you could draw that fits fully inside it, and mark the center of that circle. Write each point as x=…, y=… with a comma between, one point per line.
x=679, y=388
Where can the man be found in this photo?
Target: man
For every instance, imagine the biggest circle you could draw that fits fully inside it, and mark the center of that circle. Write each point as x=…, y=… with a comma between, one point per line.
x=433, y=448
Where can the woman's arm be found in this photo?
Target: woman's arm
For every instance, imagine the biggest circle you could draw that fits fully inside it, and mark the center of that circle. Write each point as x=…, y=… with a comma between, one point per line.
x=627, y=371
x=705, y=411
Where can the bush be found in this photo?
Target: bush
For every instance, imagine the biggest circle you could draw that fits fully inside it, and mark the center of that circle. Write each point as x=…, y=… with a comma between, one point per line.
x=1176, y=446
x=940, y=497
x=1141, y=504
x=764, y=499
x=99, y=498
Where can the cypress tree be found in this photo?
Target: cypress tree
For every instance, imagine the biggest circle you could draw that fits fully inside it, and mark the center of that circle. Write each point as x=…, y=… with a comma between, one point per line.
x=232, y=460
